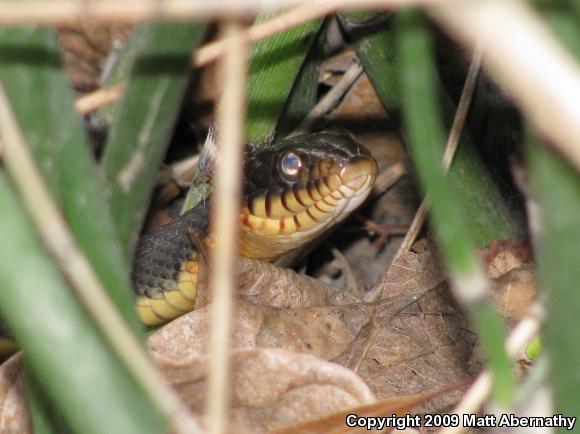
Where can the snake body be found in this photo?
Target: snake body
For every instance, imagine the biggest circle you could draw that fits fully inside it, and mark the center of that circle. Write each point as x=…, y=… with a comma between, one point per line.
x=292, y=194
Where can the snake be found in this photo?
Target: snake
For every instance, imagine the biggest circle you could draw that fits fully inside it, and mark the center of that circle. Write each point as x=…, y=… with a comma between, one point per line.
x=292, y=193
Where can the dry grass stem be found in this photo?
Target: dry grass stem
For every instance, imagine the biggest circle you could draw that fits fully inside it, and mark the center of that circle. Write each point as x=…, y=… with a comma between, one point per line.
x=213, y=50
x=480, y=390
x=57, y=12
x=56, y=236
x=420, y=215
x=330, y=100
x=451, y=146
x=525, y=58
x=285, y=21
x=387, y=178
x=224, y=223
x=94, y=100
x=463, y=107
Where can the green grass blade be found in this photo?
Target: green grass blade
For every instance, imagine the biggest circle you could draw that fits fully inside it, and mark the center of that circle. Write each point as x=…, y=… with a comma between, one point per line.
x=377, y=52
x=144, y=121
x=487, y=213
x=44, y=418
x=87, y=384
x=490, y=216
x=426, y=139
x=556, y=187
x=42, y=101
x=274, y=67
x=304, y=92
x=281, y=89
x=424, y=129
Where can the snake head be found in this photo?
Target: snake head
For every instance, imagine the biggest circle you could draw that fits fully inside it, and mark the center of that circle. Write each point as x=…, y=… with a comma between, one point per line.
x=307, y=158
x=296, y=191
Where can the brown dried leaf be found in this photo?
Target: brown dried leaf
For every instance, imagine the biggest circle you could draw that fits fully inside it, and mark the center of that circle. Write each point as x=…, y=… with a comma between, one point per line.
x=321, y=331
x=423, y=346
x=85, y=48
x=271, y=388
x=335, y=423
x=502, y=256
x=14, y=417
x=412, y=273
x=282, y=287
x=332, y=69
x=419, y=340
x=268, y=284
x=514, y=292
x=363, y=114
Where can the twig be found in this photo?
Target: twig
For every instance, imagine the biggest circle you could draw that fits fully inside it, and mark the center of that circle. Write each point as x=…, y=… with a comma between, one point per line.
x=522, y=334
x=181, y=172
x=549, y=91
x=224, y=222
x=388, y=178
x=285, y=21
x=94, y=100
x=213, y=50
x=59, y=241
x=173, y=179
x=450, y=148
x=57, y=12
x=331, y=99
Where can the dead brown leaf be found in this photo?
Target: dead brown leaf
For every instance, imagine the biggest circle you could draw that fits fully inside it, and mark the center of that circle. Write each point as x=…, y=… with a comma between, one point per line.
x=418, y=340
x=501, y=256
x=282, y=287
x=321, y=331
x=14, y=418
x=270, y=388
x=335, y=423
x=514, y=292
x=412, y=273
x=85, y=49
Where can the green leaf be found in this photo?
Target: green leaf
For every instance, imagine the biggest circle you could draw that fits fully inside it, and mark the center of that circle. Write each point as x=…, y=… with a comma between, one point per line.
x=145, y=119
x=487, y=213
x=424, y=129
x=556, y=187
x=304, y=91
x=86, y=382
x=274, y=67
x=42, y=101
x=281, y=90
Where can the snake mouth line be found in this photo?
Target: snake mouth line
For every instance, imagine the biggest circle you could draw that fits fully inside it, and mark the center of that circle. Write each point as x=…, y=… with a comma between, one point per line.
x=283, y=219
x=296, y=210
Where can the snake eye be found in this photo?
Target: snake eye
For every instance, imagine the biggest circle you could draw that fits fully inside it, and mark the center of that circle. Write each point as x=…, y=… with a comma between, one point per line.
x=291, y=164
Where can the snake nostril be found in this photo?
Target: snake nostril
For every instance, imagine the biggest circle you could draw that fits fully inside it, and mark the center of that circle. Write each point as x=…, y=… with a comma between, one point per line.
x=358, y=167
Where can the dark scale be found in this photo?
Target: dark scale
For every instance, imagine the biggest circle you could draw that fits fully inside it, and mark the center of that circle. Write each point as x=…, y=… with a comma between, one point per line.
x=159, y=256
